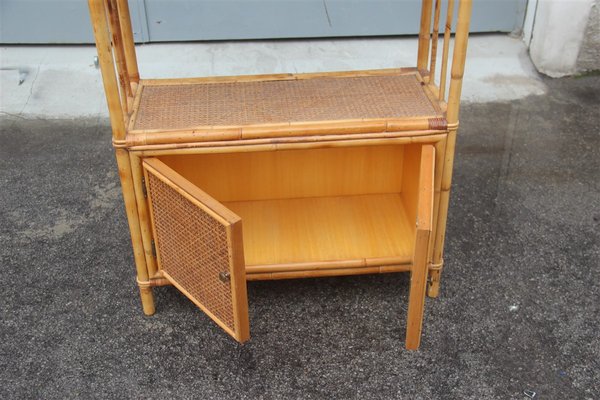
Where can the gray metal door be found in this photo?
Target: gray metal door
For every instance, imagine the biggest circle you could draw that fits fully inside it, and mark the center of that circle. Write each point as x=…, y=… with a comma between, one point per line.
x=67, y=21
x=57, y=21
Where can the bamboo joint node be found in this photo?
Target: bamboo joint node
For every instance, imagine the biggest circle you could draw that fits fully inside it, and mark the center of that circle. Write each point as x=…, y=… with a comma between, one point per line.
x=152, y=283
x=453, y=126
x=119, y=143
x=436, y=267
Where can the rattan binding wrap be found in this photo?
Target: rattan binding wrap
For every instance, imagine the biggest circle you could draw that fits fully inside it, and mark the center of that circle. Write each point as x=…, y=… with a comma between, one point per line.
x=263, y=102
x=193, y=249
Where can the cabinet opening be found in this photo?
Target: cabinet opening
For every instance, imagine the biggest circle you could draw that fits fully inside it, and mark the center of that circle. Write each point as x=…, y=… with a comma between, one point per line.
x=343, y=206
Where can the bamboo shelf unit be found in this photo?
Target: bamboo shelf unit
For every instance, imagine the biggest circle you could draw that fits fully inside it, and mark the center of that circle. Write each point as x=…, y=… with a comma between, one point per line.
x=232, y=179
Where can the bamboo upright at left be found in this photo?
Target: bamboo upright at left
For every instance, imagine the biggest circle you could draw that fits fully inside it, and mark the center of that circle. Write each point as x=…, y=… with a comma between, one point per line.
x=115, y=46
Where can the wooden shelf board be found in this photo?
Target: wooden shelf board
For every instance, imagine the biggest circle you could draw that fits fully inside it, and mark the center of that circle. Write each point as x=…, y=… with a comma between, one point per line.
x=352, y=229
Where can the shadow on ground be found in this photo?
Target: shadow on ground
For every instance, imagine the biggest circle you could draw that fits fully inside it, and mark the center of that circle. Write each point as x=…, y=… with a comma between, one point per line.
x=519, y=307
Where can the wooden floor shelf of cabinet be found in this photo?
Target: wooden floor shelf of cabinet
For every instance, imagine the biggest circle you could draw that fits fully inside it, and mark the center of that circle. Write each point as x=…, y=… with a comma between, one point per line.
x=308, y=211
x=228, y=179
x=325, y=233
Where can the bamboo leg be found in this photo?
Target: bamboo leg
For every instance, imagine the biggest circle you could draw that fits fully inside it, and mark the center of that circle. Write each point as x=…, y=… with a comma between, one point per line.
x=143, y=212
x=433, y=287
x=147, y=300
x=416, y=300
x=440, y=153
x=440, y=234
x=124, y=166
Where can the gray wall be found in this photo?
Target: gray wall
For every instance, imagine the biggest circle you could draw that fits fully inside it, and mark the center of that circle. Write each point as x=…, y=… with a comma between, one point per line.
x=589, y=55
x=67, y=21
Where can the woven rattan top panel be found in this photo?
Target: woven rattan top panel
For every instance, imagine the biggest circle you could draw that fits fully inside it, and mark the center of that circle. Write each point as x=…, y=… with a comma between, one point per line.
x=190, y=105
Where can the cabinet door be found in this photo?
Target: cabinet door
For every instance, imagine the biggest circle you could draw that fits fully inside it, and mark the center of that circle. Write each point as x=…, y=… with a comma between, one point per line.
x=199, y=247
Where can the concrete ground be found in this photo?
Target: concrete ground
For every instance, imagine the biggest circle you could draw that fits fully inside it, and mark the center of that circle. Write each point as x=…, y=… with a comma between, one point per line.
x=519, y=307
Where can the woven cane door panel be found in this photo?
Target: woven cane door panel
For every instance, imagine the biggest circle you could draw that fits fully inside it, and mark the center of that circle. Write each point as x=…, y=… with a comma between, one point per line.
x=193, y=247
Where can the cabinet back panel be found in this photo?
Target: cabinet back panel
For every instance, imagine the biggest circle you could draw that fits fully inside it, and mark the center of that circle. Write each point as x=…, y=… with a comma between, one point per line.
x=336, y=171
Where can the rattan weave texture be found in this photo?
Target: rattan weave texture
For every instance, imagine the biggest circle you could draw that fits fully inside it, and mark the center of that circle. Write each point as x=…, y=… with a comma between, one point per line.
x=193, y=249
x=185, y=106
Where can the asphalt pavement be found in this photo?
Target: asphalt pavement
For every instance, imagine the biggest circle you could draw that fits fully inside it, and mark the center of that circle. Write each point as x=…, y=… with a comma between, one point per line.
x=519, y=307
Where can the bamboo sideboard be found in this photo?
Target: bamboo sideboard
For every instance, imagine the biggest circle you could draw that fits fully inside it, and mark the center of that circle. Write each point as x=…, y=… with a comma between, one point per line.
x=232, y=179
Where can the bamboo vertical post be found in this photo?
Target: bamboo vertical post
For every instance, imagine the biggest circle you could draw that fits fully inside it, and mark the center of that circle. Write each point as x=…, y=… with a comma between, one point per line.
x=124, y=166
x=434, y=40
x=144, y=213
x=128, y=41
x=458, y=68
x=440, y=153
x=424, y=35
x=119, y=52
x=458, y=59
x=111, y=88
x=446, y=49
x=107, y=68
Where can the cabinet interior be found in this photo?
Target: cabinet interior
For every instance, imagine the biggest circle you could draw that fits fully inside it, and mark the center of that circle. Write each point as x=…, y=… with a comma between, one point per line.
x=337, y=204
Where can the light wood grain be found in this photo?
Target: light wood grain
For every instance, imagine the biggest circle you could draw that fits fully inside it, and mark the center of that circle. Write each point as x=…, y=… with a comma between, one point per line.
x=416, y=298
x=425, y=203
x=238, y=282
x=318, y=229
x=418, y=278
x=294, y=173
x=410, y=179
